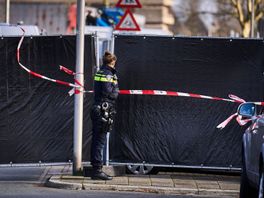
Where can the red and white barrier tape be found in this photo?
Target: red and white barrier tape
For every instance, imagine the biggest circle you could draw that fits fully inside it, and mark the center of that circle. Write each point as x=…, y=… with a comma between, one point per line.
x=239, y=118
x=78, y=85
x=233, y=98
x=173, y=93
x=70, y=72
x=36, y=74
x=67, y=71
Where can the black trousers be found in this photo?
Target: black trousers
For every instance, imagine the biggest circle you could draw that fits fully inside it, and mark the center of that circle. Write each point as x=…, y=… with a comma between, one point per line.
x=98, y=138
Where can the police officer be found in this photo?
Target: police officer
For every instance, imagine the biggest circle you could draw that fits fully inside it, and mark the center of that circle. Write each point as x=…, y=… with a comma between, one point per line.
x=105, y=94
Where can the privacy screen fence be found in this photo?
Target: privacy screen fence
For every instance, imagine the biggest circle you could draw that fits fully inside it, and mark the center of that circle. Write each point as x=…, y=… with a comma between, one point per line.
x=36, y=117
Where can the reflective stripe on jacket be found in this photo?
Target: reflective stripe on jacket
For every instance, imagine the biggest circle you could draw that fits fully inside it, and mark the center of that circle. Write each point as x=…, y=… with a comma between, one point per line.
x=106, y=85
x=105, y=78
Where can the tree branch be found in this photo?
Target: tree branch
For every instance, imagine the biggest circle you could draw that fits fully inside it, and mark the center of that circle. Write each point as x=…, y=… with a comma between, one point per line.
x=240, y=11
x=234, y=2
x=215, y=13
x=249, y=5
x=258, y=1
x=259, y=16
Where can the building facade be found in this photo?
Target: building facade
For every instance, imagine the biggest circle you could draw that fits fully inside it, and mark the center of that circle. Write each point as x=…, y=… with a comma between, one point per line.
x=54, y=16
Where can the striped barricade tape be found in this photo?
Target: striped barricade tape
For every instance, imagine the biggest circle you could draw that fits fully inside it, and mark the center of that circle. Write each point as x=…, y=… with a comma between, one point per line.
x=233, y=98
x=77, y=89
x=37, y=74
x=70, y=72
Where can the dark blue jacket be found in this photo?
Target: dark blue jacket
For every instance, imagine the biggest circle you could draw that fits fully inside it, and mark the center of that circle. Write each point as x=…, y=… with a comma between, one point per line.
x=105, y=85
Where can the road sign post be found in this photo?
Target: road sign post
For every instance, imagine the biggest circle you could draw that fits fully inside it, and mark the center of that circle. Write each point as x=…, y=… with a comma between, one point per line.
x=128, y=22
x=128, y=4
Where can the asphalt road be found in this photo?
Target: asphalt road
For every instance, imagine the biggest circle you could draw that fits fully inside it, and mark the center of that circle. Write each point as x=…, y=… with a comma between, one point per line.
x=28, y=182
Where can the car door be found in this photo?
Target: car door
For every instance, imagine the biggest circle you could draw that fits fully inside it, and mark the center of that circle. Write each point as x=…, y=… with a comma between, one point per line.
x=257, y=134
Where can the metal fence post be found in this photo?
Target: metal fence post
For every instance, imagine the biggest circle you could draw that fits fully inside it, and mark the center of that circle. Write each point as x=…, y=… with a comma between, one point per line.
x=7, y=14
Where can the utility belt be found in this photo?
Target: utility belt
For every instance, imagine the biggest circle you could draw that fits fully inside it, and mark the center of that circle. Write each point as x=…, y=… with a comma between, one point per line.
x=105, y=112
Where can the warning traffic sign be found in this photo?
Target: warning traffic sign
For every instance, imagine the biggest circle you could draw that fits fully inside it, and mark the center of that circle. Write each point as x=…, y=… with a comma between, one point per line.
x=128, y=4
x=128, y=22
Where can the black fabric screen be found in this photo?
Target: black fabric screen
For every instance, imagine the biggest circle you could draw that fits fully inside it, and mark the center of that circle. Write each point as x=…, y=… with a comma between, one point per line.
x=180, y=130
x=36, y=116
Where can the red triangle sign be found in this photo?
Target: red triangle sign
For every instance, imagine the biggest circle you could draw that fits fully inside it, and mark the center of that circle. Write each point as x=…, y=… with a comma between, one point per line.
x=128, y=4
x=128, y=22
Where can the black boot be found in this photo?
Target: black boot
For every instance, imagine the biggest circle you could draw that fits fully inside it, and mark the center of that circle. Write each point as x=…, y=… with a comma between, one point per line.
x=98, y=174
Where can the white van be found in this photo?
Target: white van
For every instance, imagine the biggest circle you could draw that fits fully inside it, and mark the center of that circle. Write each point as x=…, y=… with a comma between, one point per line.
x=14, y=30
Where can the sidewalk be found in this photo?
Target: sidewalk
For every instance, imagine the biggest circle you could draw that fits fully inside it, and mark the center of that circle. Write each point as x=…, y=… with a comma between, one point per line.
x=164, y=183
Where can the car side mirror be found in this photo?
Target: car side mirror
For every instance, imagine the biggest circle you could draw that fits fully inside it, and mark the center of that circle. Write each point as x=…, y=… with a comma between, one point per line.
x=247, y=109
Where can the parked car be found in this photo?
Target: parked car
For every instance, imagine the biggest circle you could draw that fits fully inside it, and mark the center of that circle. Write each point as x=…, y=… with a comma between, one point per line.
x=140, y=169
x=252, y=177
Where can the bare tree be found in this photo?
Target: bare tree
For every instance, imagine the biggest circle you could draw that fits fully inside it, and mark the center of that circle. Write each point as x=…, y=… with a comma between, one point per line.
x=189, y=22
x=242, y=11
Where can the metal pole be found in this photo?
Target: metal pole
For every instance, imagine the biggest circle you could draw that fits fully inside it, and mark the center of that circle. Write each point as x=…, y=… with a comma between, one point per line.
x=113, y=44
x=253, y=18
x=97, y=48
x=7, y=14
x=78, y=99
x=107, y=148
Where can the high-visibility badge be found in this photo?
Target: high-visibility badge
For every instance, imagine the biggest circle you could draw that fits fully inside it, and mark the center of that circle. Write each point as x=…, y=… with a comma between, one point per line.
x=128, y=22
x=128, y=4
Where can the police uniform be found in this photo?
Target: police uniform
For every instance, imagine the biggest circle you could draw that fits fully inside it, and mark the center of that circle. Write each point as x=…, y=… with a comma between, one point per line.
x=105, y=94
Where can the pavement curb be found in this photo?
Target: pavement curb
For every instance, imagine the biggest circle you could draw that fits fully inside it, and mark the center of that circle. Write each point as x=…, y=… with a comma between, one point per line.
x=142, y=189
x=55, y=182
